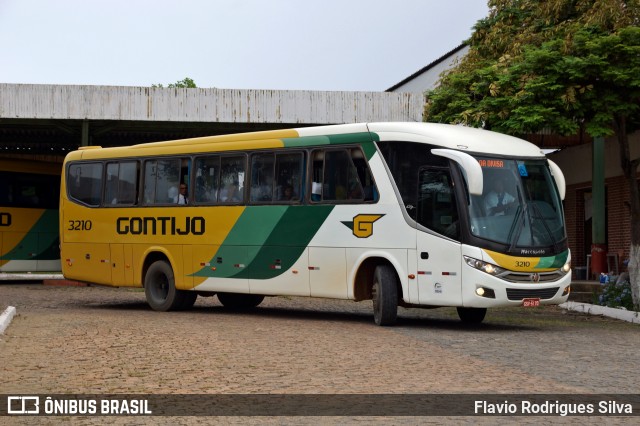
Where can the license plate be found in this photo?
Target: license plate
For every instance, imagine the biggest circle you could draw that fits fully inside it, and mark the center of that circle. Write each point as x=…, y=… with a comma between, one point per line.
x=530, y=303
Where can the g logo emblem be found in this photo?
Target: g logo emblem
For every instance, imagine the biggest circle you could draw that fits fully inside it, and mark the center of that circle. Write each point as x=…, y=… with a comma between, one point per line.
x=362, y=225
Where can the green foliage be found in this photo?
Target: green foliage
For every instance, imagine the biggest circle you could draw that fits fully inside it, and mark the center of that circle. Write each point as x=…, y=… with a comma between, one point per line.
x=560, y=65
x=184, y=83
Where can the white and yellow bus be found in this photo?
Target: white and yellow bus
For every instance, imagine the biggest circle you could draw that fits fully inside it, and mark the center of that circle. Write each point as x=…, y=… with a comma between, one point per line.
x=29, y=237
x=397, y=213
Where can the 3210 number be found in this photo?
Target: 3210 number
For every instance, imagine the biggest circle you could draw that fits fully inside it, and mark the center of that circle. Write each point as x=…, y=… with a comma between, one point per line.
x=79, y=225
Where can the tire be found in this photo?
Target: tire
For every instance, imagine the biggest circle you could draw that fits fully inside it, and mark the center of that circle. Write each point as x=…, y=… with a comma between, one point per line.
x=160, y=289
x=239, y=300
x=385, y=295
x=472, y=315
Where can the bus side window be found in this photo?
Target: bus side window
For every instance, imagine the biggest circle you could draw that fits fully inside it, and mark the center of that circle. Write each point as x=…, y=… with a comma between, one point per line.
x=128, y=189
x=437, y=208
x=207, y=179
x=335, y=177
x=161, y=181
x=370, y=191
x=28, y=190
x=288, y=177
x=84, y=183
x=317, y=170
x=262, y=166
x=232, y=179
x=122, y=183
x=185, y=182
x=6, y=190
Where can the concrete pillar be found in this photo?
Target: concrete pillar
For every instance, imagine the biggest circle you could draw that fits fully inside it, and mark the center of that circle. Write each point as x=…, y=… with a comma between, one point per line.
x=598, y=231
x=84, y=141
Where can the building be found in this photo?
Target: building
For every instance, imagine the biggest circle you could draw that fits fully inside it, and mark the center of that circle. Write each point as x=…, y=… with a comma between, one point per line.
x=427, y=77
x=50, y=120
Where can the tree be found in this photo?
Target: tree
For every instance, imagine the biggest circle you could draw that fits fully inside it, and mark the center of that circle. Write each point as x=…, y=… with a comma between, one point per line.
x=184, y=83
x=563, y=65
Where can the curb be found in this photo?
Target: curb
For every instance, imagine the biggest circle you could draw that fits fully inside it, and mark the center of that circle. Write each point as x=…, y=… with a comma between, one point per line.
x=621, y=314
x=35, y=276
x=6, y=317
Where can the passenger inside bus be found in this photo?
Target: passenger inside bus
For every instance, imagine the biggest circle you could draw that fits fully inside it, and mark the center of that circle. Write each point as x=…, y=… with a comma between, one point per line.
x=287, y=193
x=183, y=196
x=498, y=201
x=230, y=193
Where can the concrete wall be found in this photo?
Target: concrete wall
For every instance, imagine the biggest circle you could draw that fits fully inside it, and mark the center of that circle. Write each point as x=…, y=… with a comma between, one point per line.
x=30, y=101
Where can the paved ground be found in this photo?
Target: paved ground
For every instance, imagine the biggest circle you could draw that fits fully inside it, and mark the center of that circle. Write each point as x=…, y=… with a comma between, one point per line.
x=104, y=340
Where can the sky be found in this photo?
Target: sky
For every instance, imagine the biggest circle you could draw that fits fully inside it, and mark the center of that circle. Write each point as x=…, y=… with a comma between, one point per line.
x=346, y=45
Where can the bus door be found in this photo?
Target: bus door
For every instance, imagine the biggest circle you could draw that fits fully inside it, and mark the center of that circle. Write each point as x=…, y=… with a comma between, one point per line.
x=438, y=247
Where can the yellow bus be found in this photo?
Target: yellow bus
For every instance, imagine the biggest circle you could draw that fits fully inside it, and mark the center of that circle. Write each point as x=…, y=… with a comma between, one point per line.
x=397, y=213
x=29, y=237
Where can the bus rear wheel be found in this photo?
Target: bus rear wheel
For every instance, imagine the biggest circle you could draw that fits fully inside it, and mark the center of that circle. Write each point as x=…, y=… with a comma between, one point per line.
x=239, y=300
x=385, y=295
x=472, y=315
x=160, y=289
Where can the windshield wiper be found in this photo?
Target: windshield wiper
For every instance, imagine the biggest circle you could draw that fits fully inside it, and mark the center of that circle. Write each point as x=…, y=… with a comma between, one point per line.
x=538, y=214
x=516, y=221
x=524, y=213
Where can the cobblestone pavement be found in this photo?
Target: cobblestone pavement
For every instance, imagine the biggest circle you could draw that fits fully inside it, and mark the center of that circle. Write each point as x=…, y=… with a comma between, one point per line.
x=96, y=340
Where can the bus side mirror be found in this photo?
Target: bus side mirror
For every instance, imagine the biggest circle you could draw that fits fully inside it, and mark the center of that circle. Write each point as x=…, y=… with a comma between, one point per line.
x=558, y=176
x=470, y=168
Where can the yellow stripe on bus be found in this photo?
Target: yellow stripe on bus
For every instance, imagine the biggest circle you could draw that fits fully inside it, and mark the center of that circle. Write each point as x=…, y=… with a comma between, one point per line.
x=517, y=263
x=238, y=142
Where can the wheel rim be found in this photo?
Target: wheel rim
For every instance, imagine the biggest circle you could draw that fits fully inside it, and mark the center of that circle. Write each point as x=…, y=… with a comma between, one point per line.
x=160, y=287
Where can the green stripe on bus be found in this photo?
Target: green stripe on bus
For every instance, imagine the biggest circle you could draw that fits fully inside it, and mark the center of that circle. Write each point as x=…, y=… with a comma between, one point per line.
x=363, y=138
x=40, y=243
x=266, y=241
x=341, y=139
x=369, y=149
x=553, y=261
x=288, y=241
x=254, y=225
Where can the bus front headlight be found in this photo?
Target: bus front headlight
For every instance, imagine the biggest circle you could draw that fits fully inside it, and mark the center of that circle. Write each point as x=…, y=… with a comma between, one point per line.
x=488, y=268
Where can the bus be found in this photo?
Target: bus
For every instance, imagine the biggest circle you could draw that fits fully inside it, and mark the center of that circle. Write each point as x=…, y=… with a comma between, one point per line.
x=29, y=236
x=395, y=213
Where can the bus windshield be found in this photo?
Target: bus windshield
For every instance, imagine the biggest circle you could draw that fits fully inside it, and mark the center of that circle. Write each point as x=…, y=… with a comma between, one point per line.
x=520, y=205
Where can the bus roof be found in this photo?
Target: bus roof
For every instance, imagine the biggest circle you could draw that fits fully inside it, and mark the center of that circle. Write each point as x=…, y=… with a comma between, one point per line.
x=457, y=137
x=443, y=135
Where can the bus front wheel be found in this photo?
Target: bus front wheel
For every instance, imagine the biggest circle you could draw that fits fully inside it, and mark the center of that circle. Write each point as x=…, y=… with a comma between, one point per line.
x=160, y=289
x=385, y=295
x=472, y=315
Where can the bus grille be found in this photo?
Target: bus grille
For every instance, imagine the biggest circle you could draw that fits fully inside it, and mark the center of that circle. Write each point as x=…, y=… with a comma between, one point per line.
x=525, y=277
x=521, y=293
